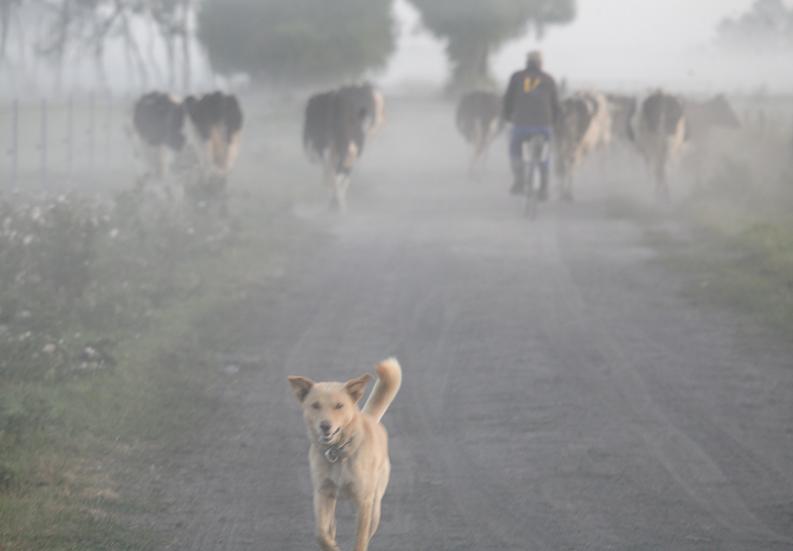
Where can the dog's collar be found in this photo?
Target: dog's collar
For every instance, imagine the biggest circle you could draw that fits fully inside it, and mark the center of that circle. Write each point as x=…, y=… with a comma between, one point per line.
x=336, y=451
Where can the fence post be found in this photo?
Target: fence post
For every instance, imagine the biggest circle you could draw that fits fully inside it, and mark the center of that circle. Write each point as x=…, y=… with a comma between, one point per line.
x=43, y=143
x=91, y=131
x=109, y=130
x=70, y=138
x=13, y=150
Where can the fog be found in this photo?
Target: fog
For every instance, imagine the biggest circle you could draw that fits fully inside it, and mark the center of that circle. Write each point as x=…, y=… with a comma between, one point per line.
x=616, y=44
x=208, y=207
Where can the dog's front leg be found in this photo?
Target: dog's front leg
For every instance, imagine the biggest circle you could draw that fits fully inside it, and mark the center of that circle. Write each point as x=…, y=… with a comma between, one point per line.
x=364, y=531
x=325, y=516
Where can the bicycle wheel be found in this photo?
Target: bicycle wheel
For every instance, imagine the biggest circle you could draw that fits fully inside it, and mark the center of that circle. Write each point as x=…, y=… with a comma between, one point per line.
x=530, y=201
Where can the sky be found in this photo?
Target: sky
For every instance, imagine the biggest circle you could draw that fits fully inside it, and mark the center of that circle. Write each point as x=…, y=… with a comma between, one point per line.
x=620, y=44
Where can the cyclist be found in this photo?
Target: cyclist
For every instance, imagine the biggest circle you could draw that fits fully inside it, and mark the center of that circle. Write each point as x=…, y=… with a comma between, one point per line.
x=531, y=104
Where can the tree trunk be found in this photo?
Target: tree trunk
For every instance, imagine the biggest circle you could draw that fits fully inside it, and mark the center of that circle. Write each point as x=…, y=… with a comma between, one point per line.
x=132, y=48
x=151, y=46
x=170, y=53
x=470, y=67
x=5, y=16
x=187, y=36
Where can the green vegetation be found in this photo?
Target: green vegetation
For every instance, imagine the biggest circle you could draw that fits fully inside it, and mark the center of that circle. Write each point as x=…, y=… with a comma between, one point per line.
x=738, y=243
x=300, y=41
x=100, y=362
x=474, y=30
x=767, y=26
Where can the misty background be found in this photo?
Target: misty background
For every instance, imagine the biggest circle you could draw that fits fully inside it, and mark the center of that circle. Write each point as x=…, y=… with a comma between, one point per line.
x=46, y=47
x=147, y=328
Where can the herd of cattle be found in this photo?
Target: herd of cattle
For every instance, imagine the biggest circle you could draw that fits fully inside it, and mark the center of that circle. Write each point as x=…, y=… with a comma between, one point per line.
x=199, y=137
x=658, y=126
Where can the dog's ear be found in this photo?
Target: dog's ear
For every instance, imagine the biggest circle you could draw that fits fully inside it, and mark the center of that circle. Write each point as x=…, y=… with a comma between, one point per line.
x=355, y=387
x=301, y=386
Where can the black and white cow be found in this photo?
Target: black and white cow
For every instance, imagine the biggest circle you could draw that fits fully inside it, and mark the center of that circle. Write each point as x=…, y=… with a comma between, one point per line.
x=478, y=119
x=335, y=129
x=216, y=122
x=585, y=126
x=198, y=137
x=158, y=126
x=660, y=132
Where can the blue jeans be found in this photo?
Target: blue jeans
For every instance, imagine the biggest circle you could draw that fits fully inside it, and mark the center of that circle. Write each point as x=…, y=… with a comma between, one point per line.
x=520, y=135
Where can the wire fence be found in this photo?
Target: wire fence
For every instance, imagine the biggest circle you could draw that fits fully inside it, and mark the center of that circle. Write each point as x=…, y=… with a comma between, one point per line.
x=55, y=143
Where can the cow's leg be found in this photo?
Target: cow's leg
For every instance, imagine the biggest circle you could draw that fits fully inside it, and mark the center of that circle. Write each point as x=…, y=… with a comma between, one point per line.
x=567, y=186
x=329, y=178
x=478, y=141
x=661, y=184
x=342, y=184
x=545, y=176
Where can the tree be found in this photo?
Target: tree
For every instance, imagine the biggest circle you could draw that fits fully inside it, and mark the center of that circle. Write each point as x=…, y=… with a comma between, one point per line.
x=8, y=10
x=768, y=26
x=474, y=29
x=296, y=41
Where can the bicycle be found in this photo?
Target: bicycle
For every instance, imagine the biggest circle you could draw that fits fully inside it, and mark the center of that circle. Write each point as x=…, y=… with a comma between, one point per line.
x=536, y=152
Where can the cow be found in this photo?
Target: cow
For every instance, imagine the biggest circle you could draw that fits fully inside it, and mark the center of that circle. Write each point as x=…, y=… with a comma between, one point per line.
x=216, y=121
x=660, y=132
x=335, y=128
x=585, y=126
x=369, y=101
x=703, y=117
x=622, y=109
x=706, y=122
x=157, y=134
x=478, y=119
x=196, y=139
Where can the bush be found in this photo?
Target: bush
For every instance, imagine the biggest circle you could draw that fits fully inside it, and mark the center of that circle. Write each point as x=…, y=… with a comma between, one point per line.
x=76, y=271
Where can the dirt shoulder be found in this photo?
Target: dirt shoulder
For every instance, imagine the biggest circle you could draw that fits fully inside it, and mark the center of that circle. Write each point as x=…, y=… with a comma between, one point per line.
x=730, y=255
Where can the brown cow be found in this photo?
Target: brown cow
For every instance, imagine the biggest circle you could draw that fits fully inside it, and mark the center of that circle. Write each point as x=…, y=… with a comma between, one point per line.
x=706, y=123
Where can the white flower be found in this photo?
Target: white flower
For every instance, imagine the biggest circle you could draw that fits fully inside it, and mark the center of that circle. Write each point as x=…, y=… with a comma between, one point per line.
x=28, y=240
x=113, y=233
x=49, y=349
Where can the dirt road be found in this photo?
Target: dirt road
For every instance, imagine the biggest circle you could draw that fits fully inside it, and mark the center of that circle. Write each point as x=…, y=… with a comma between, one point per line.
x=559, y=393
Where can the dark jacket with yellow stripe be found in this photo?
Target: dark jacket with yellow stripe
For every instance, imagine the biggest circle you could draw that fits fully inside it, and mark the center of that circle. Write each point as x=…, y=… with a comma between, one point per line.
x=531, y=99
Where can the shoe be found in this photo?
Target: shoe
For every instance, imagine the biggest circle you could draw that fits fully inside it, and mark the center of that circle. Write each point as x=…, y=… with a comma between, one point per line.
x=516, y=189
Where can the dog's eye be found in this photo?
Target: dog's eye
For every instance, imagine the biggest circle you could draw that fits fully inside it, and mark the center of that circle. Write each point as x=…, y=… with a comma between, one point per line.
x=339, y=405
x=315, y=405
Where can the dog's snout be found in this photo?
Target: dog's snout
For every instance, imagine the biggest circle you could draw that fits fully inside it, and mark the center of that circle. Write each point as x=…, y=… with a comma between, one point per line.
x=324, y=426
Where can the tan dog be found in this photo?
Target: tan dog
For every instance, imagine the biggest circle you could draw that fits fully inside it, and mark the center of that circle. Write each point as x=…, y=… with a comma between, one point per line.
x=349, y=448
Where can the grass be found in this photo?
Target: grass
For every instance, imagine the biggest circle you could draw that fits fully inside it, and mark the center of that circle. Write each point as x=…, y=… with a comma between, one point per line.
x=743, y=259
x=736, y=250
x=72, y=451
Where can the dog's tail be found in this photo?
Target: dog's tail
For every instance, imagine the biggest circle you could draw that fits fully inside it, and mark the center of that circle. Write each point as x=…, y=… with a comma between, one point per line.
x=389, y=378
